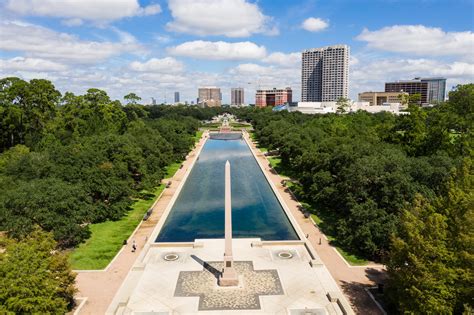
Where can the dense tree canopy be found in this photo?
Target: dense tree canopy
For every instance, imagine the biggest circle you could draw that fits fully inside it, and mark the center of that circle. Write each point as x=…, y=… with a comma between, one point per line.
x=74, y=160
x=369, y=176
x=36, y=279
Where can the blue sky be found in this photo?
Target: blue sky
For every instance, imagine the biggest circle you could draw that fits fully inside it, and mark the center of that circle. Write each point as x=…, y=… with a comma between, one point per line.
x=154, y=48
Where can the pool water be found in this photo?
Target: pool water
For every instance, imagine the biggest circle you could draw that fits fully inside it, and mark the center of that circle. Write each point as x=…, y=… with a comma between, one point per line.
x=199, y=209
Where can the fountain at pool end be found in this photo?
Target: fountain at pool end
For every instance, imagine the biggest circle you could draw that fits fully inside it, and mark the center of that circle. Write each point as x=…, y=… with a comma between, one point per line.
x=229, y=276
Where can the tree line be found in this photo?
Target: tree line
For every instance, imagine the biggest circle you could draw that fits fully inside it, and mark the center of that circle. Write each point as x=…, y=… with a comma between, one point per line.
x=395, y=189
x=67, y=161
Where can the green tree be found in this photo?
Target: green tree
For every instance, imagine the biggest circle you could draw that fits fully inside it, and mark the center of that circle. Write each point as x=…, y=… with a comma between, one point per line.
x=431, y=259
x=343, y=105
x=36, y=279
x=421, y=279
x=132, y=98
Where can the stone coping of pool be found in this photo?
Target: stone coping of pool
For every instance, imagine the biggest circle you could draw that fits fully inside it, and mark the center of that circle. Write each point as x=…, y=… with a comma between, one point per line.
x=125, y=293
x=271, y=284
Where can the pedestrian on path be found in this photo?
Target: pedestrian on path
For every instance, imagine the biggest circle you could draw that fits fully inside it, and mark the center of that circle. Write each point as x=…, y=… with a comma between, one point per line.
x=307, y=235
x=134, y=246
x=319, y=241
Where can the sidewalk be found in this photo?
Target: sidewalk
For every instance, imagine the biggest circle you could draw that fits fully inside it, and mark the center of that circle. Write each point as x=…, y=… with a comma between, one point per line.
x=351, y=279
x=100, y=286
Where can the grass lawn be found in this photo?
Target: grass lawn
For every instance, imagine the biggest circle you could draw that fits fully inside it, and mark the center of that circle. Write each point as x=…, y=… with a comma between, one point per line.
x=274, y=161
x=352, y=259
x=316, y=219
x=172, y=169
x=107, y=237
x=198, y=135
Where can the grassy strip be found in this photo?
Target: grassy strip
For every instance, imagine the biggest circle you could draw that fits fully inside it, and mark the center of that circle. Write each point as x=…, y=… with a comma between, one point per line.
x=172, y=169
x=274, y=161
x=107, y=237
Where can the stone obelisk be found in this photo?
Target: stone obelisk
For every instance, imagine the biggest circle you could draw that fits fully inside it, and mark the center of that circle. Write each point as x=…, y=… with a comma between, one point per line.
x=229, y=276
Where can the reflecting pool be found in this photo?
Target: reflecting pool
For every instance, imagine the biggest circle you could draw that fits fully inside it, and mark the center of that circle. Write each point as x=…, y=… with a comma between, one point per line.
x=199, y=209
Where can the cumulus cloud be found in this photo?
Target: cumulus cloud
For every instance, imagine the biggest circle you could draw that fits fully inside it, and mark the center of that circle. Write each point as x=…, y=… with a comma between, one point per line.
x=28, y=64
x=371, y=74
x=255, y=76
x=219, y=50
x=231, y=18
x=314, y=24
x=40, y=42
x=75, y=10
x=284, y=60
x=419, y=40
x=164, y=65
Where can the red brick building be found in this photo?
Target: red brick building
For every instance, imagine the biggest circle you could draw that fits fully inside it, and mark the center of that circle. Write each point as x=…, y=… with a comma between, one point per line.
x=273, y=97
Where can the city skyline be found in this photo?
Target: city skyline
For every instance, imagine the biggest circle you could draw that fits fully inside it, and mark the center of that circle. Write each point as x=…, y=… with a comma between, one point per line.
x=154, y=47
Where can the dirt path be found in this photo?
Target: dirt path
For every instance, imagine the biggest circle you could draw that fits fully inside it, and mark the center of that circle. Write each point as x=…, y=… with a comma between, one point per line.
x=351, y=279
x=99, y=287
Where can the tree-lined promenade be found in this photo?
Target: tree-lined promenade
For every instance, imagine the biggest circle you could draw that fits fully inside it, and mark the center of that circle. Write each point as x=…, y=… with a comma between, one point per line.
x=394, y=189
x=69, y=162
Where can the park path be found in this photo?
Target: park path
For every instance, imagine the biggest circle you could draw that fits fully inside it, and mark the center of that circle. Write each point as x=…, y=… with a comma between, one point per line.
x=351, y=279
x=100, y=286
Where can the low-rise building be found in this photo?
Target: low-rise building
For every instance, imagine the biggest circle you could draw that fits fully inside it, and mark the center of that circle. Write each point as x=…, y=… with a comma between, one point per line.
x=380, y=98
x=432, y=90
x=332, y=107
x=273, y=97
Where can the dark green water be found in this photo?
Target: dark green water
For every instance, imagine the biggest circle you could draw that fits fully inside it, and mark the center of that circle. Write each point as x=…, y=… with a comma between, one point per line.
x=199, y=209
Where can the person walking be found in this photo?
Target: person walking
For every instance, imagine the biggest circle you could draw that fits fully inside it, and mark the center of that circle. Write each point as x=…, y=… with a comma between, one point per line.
x=134, y=246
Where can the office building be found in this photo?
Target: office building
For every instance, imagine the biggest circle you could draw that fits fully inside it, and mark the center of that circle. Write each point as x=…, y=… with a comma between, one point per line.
x=176, y=97
x=237, y=96
x=432, y=90
x=209, y=97
x=325, y=74
x=273, y=97
x=436, y=89
x=380, y=98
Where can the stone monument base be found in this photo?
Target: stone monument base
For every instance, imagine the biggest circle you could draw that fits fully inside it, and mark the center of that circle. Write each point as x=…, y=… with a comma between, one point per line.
x=228, y=278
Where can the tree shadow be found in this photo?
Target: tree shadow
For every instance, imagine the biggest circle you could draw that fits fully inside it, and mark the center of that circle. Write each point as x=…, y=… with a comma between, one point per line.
x=206, y=266
x=358, y=297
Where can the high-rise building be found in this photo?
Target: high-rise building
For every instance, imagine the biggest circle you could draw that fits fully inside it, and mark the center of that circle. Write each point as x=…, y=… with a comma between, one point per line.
x=237, y=96
x=273, y=97
x=325, y=74
x=209, y=96
x=176, y=97
x=432, y=90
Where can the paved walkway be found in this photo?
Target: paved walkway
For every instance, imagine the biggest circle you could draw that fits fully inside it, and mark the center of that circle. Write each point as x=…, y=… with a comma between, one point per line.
x=351, y=279
x=100, y=286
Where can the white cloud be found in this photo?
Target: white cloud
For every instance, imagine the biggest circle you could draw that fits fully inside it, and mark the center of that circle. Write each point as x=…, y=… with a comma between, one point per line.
x=73, y=22
x=284, y=60
x=419, y=40
x=219, y=50
x=254, y=76
x=232, y=18
x=165, y=65
x=40, y=42
x=28, y=64
x=93, y=10
x=370, y=75
x=314, y=24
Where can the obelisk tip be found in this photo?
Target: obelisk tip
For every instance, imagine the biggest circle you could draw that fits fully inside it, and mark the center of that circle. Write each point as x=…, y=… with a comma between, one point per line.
x=227, y=163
